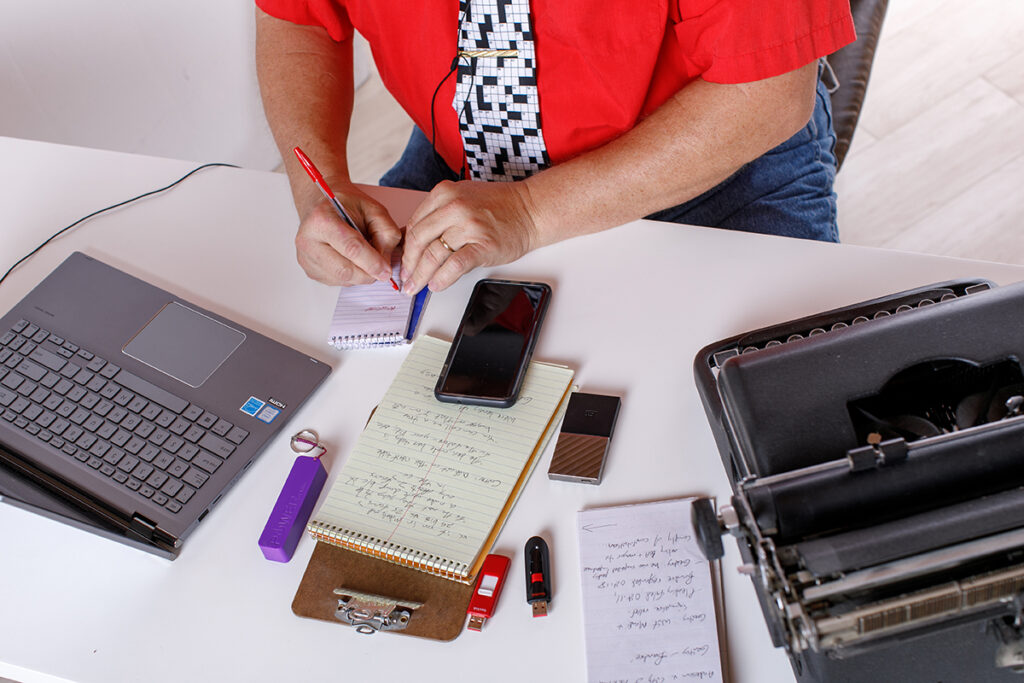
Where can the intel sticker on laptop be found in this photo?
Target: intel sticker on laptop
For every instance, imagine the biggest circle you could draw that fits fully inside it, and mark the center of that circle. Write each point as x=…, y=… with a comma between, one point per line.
x=264, y=412
x=252, y=406
x=268, y=414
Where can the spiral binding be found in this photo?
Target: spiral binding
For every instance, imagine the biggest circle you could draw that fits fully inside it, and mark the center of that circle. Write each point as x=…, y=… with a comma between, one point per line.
x=367, y=341
x=390, y=552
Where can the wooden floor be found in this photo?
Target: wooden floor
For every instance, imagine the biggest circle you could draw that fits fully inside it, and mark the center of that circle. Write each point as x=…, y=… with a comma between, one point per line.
x=937, y=163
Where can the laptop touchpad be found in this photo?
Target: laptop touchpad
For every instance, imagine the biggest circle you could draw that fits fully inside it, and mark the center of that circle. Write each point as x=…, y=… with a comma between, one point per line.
x=184, y=344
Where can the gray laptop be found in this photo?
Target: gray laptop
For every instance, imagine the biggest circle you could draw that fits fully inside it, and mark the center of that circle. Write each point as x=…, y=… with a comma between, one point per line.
x=127, y=411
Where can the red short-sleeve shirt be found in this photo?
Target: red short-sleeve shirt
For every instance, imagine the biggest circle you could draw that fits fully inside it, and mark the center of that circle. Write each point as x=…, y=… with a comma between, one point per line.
x=601, y=66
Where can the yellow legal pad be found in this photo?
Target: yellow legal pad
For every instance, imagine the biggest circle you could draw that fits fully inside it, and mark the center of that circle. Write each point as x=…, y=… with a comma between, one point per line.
x=429, y=484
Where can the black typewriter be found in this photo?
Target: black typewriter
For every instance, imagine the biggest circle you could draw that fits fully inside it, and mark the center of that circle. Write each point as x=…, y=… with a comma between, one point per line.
x=876, y=455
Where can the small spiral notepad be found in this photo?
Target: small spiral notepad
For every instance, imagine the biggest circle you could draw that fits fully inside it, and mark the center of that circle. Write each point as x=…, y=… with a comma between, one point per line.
x=429, y=484
x=374, y=315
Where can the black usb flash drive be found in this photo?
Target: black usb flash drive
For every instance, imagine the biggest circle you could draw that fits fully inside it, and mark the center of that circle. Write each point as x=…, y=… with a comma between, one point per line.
x=538, y=576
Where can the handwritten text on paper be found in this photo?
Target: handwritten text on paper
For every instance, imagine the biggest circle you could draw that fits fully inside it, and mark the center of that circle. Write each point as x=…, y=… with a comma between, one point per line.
x=649, y=613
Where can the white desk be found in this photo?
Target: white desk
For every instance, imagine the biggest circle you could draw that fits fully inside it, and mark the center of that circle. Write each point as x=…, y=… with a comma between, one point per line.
x=631, y=307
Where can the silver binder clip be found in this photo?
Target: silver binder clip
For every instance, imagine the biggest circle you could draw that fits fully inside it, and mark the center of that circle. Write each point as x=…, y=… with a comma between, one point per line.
x=370, y=613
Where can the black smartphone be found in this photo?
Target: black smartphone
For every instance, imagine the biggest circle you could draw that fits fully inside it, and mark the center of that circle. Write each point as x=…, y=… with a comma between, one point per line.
x=494, y=342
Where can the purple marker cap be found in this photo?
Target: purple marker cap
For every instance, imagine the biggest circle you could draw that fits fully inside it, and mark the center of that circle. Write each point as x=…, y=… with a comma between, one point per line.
x=293, y=508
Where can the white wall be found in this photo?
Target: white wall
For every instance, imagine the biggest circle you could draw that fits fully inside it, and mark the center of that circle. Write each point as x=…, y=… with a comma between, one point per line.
x=172, y=78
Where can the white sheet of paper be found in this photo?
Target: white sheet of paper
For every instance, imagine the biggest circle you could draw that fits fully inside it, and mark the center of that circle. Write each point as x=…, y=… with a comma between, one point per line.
x=648, y=601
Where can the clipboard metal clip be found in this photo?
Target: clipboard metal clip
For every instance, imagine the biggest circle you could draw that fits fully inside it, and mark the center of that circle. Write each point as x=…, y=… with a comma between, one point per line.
x=370, y=613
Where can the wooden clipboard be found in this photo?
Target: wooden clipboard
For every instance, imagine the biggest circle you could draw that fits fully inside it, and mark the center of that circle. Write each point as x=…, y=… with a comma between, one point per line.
x=332, y=571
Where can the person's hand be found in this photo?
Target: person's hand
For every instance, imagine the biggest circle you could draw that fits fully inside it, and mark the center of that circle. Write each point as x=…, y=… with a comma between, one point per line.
x=335, y=254
x=462, y=225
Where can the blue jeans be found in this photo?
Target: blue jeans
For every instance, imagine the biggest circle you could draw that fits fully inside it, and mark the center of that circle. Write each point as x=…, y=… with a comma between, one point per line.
x=787, y=191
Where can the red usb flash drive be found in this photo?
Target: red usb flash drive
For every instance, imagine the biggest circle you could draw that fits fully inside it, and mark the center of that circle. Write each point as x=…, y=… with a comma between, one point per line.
x=488, y=588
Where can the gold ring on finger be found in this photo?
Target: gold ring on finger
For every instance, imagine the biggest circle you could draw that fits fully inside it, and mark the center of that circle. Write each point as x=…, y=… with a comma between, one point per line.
x=445, y=244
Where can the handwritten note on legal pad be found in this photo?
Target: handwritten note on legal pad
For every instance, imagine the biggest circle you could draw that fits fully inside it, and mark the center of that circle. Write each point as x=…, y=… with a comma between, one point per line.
x=648, y=604
x=430, y=484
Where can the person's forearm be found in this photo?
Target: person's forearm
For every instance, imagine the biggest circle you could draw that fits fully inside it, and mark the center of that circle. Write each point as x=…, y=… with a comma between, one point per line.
x=693, y=142
x=306, y=84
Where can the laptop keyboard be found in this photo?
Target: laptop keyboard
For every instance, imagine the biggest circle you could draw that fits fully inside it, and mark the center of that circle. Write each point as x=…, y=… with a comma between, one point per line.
x=142, y=437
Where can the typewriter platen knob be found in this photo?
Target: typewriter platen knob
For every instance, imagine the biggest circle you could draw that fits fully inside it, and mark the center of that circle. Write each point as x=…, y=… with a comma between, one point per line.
x=708, y=529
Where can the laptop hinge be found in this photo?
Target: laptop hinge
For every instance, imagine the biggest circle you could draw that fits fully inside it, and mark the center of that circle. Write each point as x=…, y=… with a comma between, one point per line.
x=139, y=525
x=150, y=530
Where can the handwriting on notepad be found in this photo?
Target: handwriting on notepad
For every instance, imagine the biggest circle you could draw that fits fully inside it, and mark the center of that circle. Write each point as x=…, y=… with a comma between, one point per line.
x=422, y=493
x=434, y=479
x=648, y=575
x=649, y=610
x=390, y=498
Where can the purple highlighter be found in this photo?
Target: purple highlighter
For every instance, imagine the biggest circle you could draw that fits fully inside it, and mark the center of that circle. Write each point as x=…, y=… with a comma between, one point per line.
x=293, y=508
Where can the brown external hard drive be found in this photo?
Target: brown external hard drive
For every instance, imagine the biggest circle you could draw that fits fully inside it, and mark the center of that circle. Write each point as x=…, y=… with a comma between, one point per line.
x=583, y=441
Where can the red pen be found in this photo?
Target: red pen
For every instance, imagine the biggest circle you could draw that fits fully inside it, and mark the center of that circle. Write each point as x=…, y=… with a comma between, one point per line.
x=327, y=192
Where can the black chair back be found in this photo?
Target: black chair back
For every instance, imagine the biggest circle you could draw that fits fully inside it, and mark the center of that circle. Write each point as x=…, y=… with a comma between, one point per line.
x=852, y=68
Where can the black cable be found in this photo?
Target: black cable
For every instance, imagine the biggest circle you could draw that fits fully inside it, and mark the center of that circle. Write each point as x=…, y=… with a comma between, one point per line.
x=452, y=69
x=433, y=119
x=470, y=91
x=109, y=208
